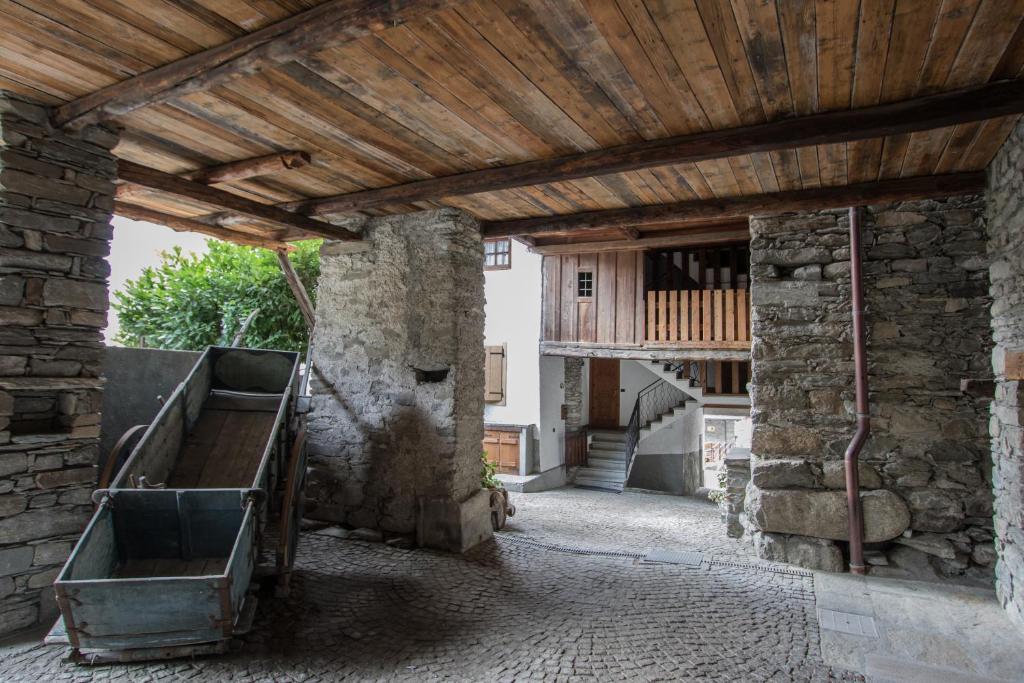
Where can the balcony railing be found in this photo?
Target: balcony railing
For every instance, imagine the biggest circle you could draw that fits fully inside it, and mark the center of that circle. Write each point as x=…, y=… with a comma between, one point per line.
x=705, y=318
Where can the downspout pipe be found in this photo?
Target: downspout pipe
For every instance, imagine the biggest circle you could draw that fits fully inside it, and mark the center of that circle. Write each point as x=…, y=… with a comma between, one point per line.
x=860, y=365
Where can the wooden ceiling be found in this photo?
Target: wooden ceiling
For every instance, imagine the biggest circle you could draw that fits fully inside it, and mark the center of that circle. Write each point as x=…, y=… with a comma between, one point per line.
x=482, y=84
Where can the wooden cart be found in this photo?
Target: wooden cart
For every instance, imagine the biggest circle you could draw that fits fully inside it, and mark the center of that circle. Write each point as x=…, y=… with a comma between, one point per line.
x=186, y=516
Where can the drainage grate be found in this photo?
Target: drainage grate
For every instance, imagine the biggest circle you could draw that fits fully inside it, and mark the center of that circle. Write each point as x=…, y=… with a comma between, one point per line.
x=847, y=622
x=775, y=568
x=574, y=550
x=688, y=558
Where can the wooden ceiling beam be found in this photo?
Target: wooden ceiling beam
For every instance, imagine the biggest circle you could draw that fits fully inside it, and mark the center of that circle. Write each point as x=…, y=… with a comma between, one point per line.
x=330, y=24
x=901, y=189
x=153, y=179
x=232, y=171
x=244, y=169
x=919, y=114
x=724, y=234
x=179, y=224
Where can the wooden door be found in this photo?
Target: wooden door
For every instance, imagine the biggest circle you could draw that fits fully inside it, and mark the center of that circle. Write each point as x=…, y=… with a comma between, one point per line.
x=604, y=393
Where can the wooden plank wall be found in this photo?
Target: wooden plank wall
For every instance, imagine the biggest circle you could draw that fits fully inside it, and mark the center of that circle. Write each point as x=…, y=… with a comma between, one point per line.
x=613, y=315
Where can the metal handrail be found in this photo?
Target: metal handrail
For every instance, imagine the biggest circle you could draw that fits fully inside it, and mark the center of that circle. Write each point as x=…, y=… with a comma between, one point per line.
x=653, y=401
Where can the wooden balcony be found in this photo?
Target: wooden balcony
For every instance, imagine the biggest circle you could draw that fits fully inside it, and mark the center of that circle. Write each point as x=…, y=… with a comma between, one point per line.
x=705, y=319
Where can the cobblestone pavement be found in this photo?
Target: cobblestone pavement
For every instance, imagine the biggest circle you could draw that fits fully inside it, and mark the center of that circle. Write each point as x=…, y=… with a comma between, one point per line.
x=507, y=611
x=626, y=521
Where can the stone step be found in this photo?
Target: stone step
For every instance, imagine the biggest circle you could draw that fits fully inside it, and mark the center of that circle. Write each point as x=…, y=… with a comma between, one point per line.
x=598, y=484
x=608, y=436
x=602, y=474
x=618, y=465
x=610, y=449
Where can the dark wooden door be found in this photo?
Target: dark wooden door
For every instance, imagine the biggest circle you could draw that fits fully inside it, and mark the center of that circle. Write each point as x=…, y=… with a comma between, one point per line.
x=604, y=393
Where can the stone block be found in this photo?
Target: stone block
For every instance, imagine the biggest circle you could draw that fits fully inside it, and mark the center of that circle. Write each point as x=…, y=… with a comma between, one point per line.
x=810, y=553
x=782, y=474
x=15, y=560
x=68, y=477
x=823, y=514
x=42, y=524
x=12, y=504
x=445, y=524
x=833, y=475
x=75, y=294
x=51, y=553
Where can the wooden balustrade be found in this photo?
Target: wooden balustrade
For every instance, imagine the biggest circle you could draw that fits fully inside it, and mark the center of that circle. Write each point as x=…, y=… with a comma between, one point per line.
x=705, y=318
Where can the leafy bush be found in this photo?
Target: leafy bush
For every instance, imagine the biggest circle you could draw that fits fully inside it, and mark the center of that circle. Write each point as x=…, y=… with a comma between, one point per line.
x=487, y=478
x=189, y=302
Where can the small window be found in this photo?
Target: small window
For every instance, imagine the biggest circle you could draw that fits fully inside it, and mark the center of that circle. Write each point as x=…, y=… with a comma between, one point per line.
x=584, y=283
x=498, y=254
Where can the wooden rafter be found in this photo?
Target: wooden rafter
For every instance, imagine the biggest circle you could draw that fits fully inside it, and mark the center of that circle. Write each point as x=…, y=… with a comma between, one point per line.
x=704, y=236
x=171, y=184
x=250, y=168
x=908, y=116
x=140, y=213
x=332, y=23
x=232, y=171
x=298, y=290
x=703, y=210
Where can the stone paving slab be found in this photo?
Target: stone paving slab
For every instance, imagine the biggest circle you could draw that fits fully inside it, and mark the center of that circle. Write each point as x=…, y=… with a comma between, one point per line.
x=505, y=612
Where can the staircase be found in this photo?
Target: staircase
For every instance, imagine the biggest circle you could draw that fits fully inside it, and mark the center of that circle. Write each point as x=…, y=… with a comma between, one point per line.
x=681, y=375
x=608, y=460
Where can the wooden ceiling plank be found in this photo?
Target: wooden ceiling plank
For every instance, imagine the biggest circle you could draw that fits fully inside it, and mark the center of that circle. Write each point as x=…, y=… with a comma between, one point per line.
x=674, y=81
x=995, y=23
x=680, y=24
x=457, y=43
x=563, y=80
x=722, y=31
x=402, y=51
x=796, y=23
x=737, y=207
x=171, y=184
x=934, y=111
x=330, y=23
x=179, y=224
x=864, y=157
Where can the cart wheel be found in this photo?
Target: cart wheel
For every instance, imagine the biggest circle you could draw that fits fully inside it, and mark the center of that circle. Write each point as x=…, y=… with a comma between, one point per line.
x=119, y=455
x=291, y=512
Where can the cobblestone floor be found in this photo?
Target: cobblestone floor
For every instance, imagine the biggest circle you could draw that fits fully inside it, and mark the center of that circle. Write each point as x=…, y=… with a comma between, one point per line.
x=507, y=611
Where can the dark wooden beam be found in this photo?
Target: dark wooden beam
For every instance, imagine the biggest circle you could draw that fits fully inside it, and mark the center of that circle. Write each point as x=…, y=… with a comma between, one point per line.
x=298, y=290
x=153, y=179
x=725, y=234
x=919, y=114
x=631, y=233
x=235, y=170
x=901, y=189
x=330, y=24
x=179, y=224
x=250, y=168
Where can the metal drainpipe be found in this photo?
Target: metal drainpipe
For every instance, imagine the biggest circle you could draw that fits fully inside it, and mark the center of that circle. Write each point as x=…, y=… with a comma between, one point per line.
x=860, y=364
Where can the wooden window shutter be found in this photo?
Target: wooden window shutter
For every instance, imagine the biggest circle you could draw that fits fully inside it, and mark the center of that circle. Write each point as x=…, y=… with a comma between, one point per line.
x=494, y=374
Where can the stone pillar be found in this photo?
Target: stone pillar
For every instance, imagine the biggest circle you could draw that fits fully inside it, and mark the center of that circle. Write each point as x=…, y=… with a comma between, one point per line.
x=56, y=195
x=398, y=392
x=573, y=383
x=1005, y=212
x=926, y=292
x=737, y=477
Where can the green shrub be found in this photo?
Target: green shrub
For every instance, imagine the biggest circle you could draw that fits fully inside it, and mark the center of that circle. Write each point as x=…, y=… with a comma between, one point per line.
x=189, y=302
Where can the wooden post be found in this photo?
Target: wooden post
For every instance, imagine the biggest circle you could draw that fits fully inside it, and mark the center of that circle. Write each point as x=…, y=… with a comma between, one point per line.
x=298, y=289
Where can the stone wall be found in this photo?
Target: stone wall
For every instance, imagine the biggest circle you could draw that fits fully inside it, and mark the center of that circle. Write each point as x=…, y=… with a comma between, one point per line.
x=574, y=417
x=926, y=292
x=56, y=195
x=1005, y=214
x=398, y=387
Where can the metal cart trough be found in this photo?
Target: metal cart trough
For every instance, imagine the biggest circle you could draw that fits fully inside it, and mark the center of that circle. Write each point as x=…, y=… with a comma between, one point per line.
x=186, y=516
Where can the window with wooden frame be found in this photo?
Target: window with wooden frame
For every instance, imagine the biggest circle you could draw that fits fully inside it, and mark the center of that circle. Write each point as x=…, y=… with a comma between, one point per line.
x=498, y=254
x=584, y=284
x=495, y=374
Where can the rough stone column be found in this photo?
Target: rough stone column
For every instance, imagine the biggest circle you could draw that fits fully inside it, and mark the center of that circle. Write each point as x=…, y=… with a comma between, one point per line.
x=573, y=381
x=56, y=195
x=925, y=466
x=398, y=392
x=1005, y=212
